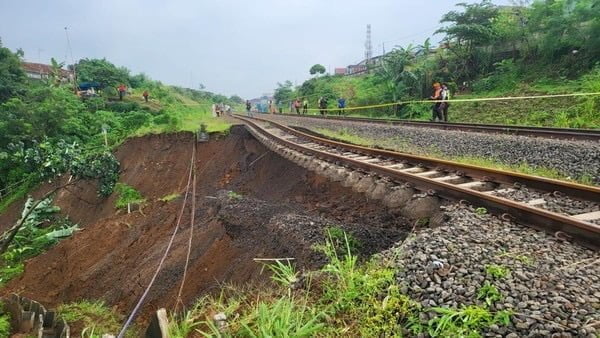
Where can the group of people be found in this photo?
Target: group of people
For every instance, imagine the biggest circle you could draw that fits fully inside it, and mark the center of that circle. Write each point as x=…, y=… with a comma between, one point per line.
x=219, y=109
x=122, y=89
x=441, y=96
x=322, y=103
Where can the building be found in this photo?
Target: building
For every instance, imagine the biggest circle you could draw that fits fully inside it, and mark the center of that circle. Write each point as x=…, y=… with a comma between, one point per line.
x=340, y=71
x=363, y=66
x=40, y=71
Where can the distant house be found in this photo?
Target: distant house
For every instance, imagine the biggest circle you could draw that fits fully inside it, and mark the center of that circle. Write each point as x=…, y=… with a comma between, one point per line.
x=40, y=71
x=340, y=71
x=363, y=66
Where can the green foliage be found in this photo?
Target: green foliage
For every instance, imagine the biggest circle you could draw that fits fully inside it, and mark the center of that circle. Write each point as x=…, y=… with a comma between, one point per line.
x=95, y=317
x=12, y=76
x=496, y=271
x=286, y=317
x=317, y=69
x=467, y=321
x=170, y=197
x=128, y=196
x=284, y=92
x=234, y=195
x=102, y=71
x=489, y=293
x=341, y=240
x=283, y=273
x=481, y=211
x=40, y=230
x=5, y=328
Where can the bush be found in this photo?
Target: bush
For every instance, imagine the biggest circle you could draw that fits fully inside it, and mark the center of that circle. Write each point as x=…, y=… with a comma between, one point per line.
x=122, y=107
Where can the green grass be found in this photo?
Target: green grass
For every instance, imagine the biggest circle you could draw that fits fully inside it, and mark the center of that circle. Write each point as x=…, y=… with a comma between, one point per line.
x=403, y=146
x=489, y=293
x=234, y=195
x=170, y=197
x=93, y=318
x=344, y=298
x=5, y=328
x=466, y=321
x=20, y=192
x=128, y=196
x=496, y=271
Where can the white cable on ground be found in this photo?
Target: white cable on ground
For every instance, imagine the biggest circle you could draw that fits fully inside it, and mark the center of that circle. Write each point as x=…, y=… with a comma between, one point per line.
x=162, y=260
x=189, y=248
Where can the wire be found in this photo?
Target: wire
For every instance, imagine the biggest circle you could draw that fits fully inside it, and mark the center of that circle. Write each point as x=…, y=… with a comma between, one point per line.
x=162, y=260
x=506, y=98
x=189, y=248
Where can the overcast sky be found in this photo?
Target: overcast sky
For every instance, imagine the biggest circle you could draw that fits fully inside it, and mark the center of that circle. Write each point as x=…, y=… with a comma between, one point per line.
x=239, y=47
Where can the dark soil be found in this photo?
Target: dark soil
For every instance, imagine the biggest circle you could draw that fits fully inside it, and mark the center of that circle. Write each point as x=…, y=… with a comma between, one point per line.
x=282, y=212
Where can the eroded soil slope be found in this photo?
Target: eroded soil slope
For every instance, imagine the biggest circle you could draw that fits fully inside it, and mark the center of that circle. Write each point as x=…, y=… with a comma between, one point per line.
x=283, y=210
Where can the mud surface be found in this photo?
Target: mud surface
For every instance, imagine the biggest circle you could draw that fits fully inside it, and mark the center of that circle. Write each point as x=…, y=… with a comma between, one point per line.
x=279, y=210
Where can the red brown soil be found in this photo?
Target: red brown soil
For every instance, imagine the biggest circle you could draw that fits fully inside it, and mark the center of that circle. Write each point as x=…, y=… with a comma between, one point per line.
x=283, y=212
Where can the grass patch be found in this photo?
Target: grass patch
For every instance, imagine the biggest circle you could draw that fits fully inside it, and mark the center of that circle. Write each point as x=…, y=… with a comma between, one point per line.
x=496, y=271
x=343, y=298
x=93, y=319
x=489, y=293
x=5, y=328
x=170, y=197
x=19, y=193
x=467, y=321
x=128, y=196
x=234, y=195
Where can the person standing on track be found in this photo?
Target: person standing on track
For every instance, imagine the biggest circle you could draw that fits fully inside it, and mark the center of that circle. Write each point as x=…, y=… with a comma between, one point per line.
x=297, y=106
x=305, y=106
x=322, y=105
x=444, y=105
x=341, y=106
x=248, y=108
x=437, y=95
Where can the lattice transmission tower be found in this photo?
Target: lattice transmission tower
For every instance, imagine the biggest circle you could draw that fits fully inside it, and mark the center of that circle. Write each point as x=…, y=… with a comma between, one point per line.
x=368, y=46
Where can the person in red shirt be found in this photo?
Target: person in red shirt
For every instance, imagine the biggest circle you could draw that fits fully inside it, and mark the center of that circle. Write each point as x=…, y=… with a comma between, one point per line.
x=437, y=95
x=297, y=105
x=145, y=95
x=122, y=90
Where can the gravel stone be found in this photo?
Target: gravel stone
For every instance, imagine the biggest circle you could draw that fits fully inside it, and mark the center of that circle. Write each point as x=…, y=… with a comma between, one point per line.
x=548, y=290
x=572, y=158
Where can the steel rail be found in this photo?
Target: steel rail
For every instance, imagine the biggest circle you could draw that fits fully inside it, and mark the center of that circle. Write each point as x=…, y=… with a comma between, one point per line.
x=547, y=132
x=584, y=232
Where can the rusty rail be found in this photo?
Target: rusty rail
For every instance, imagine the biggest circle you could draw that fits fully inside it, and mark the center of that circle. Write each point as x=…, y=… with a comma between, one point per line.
x=547, y=132
x=584, y=232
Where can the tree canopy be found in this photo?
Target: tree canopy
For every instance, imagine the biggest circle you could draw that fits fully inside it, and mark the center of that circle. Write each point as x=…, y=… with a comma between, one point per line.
x=317, y=69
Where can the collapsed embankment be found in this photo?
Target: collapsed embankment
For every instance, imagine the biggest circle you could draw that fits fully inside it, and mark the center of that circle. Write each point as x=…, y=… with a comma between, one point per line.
x=282, y=212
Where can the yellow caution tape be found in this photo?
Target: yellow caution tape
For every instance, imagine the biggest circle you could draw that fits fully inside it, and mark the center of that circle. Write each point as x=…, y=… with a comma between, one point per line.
x=505, y=98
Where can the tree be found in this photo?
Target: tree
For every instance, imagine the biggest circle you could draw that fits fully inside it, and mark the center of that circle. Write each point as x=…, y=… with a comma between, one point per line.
x=317, y=69
x=55, y=76
x=284, y=91
x=469, y=29
x=12, y=76
x=102, y=71
x=236, y=99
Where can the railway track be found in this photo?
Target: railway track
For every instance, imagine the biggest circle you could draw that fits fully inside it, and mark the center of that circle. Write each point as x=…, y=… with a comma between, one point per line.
x=495, y=190
x=546, y=132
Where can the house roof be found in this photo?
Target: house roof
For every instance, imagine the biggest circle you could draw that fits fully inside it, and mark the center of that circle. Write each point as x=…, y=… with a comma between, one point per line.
x=40, y=68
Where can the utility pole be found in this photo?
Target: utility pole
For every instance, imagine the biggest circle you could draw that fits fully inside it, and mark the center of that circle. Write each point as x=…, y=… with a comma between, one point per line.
x=368, y=48
x=72, y=59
